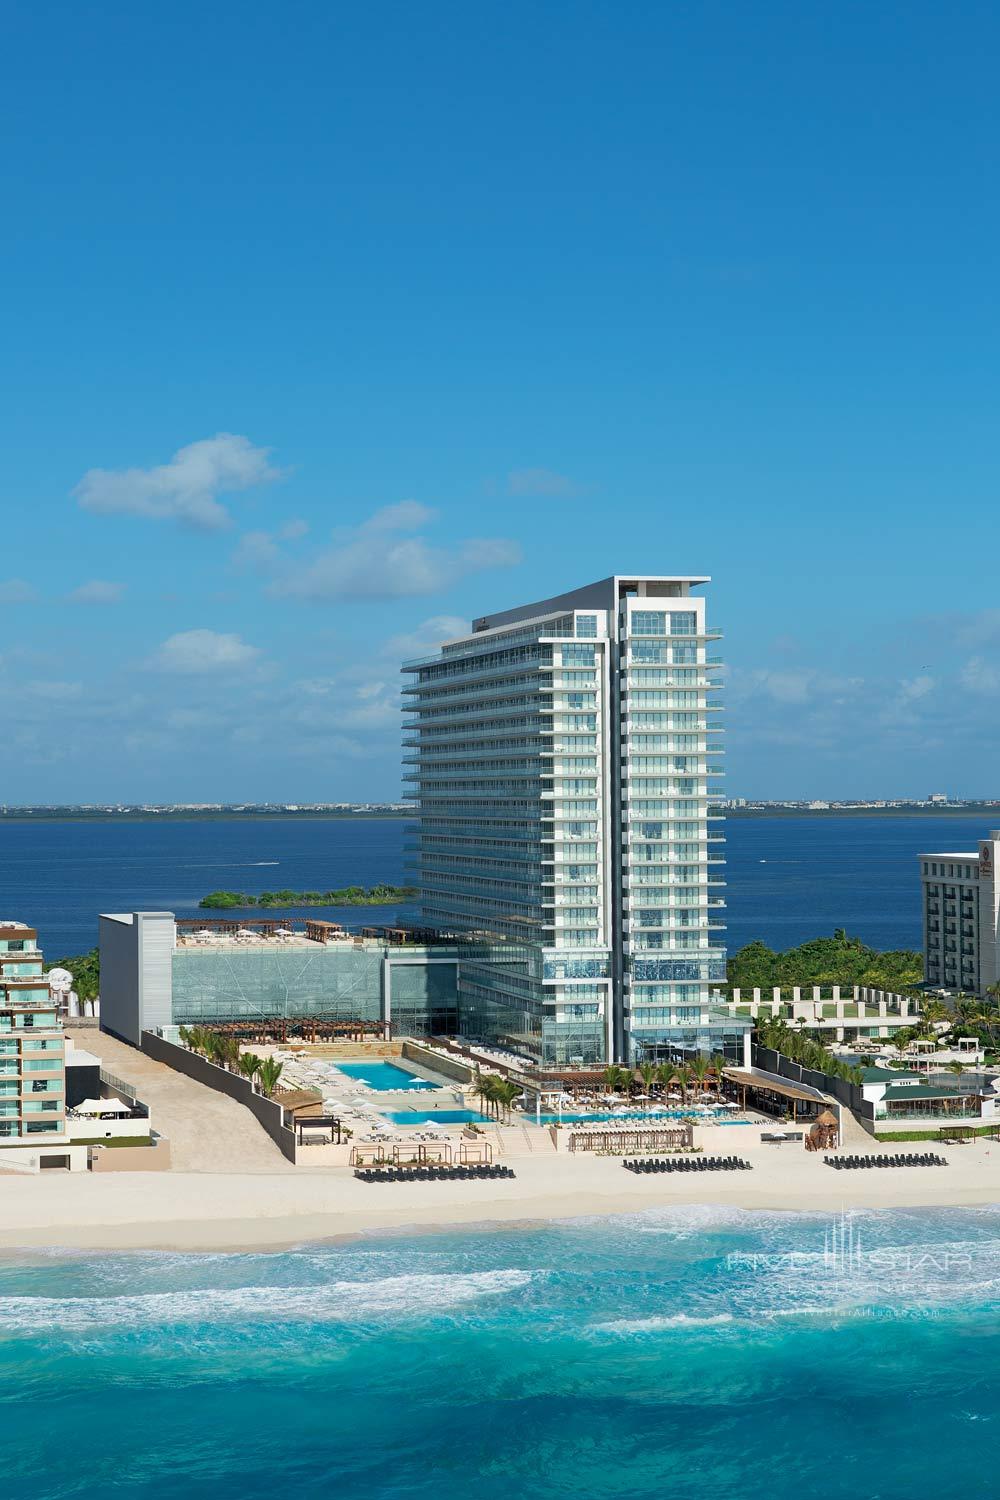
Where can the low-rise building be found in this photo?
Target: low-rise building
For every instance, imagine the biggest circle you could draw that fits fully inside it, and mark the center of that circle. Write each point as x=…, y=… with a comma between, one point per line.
x=157, y=973
x=836, y=1013
x=903, y=1100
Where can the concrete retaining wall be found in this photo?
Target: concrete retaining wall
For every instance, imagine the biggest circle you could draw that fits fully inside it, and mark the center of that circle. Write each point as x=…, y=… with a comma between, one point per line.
x=447, y=1067
x=269, y=1114
x=152, y=1158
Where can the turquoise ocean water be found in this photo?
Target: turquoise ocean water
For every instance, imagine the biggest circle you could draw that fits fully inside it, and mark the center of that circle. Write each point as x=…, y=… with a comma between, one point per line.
x=684, y=1352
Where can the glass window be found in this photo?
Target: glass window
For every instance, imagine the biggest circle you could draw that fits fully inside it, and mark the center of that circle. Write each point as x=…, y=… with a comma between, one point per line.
x=586, y=625
x=648, y=622
x=684, y=624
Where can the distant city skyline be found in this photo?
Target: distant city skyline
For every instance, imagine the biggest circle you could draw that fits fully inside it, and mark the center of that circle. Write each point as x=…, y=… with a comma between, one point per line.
x=296, y=399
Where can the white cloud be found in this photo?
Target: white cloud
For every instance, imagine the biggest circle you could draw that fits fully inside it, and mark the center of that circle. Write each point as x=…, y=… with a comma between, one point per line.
x=540, y=482
x=197, y=652
x=374, y=561
x=428, y=635
x=794, y=685
x=259, y=550
x=912, y=689
x=186, y=489
x=981, y=677
x=336, y=703
x=97, y=591
x=979, y=629
x=17, y=591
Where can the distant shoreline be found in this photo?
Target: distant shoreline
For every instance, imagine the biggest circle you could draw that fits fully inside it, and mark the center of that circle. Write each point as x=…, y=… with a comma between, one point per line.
x=966, y=811
x=57, y=816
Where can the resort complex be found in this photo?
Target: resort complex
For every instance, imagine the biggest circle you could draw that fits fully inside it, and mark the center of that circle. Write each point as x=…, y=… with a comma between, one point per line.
x=560, y=1006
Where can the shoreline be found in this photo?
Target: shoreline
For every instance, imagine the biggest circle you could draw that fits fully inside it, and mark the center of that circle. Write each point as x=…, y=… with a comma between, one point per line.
x=230, y=1213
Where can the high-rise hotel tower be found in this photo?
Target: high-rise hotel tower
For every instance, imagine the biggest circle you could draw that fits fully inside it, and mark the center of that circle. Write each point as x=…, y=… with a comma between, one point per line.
x=563, y=756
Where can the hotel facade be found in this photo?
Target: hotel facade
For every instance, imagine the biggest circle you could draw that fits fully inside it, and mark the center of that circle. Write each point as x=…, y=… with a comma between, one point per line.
x=32, y=1055
x=961, y=910
x=563, y=760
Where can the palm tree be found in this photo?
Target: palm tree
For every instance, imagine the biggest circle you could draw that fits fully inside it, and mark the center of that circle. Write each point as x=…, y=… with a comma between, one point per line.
x=701, y=1068
x=647, y=1072
x=665, y=1075
x=685, y=1078
x=489, y=1087
x=718, y=1065
x=935, y=1011
x=268, y=1073
x=249, y=1065
x=505, y=1092
x=612, y=1078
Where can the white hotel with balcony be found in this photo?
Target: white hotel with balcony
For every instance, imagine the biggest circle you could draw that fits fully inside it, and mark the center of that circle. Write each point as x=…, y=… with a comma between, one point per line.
x=961, y=905
x=563, y=762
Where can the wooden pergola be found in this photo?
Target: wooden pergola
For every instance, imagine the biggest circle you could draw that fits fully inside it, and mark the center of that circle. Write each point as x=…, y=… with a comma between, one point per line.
x=770, y=1092
x=304, y=1028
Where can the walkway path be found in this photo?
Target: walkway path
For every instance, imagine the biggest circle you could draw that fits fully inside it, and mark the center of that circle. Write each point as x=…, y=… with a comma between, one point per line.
x=208, y=1132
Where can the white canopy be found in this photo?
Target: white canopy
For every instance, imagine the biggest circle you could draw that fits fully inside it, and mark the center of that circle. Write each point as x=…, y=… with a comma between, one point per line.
x=103, y=1107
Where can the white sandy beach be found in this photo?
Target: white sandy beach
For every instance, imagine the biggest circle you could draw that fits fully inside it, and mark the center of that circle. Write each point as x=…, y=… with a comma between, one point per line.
x=230, y=1211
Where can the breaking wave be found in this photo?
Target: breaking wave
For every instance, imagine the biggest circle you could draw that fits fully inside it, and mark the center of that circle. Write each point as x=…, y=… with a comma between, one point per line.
x=339, y=1301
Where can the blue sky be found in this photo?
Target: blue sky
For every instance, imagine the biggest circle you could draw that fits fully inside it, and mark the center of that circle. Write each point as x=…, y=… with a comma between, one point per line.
x=328, y=327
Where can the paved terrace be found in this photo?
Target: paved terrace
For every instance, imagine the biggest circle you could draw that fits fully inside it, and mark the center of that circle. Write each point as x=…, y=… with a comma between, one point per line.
x=208, y=1132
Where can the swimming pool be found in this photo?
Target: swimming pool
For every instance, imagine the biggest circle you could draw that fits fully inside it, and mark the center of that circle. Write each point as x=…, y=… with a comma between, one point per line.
x=385, y=1077
x=435, y=1117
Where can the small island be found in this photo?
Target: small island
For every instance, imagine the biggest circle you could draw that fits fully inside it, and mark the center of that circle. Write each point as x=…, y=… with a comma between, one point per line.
x=351, y=895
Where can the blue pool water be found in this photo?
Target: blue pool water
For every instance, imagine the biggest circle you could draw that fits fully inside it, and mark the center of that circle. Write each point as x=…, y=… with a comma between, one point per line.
x=430, y=1116
x=682, y=1353
x=384, y=1076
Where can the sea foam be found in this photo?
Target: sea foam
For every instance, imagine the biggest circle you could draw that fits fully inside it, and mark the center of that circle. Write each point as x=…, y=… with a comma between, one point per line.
x=338, y=1301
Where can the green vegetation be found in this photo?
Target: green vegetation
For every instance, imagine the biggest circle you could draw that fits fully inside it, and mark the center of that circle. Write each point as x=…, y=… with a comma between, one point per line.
x=839, y=960
x=86, y=971
x=939, y=1134
x=114, y=1141
x=496, y=1095
x=351, y=895
x=226, y=1052
x=803, y=1049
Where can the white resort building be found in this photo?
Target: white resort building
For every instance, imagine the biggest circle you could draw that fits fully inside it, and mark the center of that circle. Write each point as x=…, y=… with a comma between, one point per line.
x=563, y=759
x=961, y=907
x=33, y=1131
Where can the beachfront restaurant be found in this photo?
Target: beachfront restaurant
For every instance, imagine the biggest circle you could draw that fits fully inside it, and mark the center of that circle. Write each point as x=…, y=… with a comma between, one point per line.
x=770, y=1094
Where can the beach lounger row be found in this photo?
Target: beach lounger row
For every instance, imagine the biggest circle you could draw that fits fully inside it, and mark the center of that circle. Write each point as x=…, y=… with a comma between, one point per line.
x=901, y=1159
x=646, y=1164
x=432, y=1173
